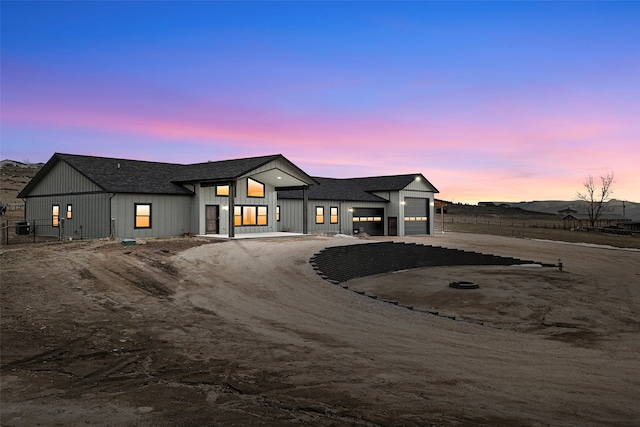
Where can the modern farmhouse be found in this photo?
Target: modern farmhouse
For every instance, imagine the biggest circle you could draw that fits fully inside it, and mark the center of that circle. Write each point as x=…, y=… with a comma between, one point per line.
x=93, y=197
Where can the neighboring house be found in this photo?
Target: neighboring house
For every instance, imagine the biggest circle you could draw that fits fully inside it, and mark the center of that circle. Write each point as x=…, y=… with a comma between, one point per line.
x=398, y=205
x=631, y=226
x=567, y=211
x=93, y=197
x=582, y=220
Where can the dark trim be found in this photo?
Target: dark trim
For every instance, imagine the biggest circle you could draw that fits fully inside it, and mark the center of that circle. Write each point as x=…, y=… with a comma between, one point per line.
x=241, y=207
x=264, y=189
x=66, y=194
x=66, y=212
x=337, y=215
x=278, y=213
x=135, y=215
x=315, y=214
x=53, y=216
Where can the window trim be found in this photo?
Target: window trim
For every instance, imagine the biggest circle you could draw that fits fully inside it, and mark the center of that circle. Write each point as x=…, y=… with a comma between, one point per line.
x=69, y=214
x=332, y=215
x=135, y=215
x=55, y=215
x=319, y=215
x=264, y=190
x=218, y=194
x=239, y=214
x=277, y=213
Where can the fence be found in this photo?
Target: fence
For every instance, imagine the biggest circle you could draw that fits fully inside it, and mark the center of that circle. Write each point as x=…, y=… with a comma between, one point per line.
x=35, y=230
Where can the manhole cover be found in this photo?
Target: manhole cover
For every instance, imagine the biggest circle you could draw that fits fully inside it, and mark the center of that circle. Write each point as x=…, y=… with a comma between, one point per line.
x=464, y=285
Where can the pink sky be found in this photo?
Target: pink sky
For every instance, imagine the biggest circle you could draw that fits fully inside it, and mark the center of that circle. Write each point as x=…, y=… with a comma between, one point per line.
x=481, y=120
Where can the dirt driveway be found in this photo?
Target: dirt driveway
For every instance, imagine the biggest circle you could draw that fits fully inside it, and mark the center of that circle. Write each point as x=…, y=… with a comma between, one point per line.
x=183, y=332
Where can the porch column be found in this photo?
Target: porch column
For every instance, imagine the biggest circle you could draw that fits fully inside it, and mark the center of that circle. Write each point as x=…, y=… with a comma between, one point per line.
x=305, y=209
x=232, y=199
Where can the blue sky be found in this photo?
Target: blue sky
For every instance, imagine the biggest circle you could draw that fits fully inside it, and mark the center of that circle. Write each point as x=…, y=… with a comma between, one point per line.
x=489, y=100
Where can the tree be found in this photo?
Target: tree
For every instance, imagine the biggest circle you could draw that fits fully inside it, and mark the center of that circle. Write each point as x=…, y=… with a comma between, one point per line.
x=595, y=198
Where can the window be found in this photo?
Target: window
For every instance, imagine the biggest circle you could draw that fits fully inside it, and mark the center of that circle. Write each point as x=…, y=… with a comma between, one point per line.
x=254, y=188
x=143, y=215
x=262, y=215
x=237, y=215
x=222, y=190
x=55, y=215
x=333, y=214
x=319, y=214
x=249, y=215
x=278, y=213
x=69, y=211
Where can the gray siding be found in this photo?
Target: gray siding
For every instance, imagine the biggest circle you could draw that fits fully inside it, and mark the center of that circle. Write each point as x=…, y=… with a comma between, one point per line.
x=207, y=196
x=90, y=215
x=63, y=179
x=291, y=215
x=170, y=215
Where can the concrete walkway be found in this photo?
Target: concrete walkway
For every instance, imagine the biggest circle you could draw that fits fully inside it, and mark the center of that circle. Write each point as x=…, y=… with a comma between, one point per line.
x=253, y=235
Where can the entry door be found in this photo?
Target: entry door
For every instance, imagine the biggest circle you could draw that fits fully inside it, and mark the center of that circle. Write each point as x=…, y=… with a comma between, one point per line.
x=393, y=225
x=212, y=219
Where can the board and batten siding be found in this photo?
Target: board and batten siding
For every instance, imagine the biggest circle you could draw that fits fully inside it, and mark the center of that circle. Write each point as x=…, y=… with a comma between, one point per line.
x=90, y=215
x=170, y=215
x=63, y=179
x=207, y=196
x=291, y=215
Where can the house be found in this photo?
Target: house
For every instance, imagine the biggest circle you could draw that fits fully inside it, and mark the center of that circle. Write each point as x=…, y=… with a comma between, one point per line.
x=574, y=220
x=91, y=197
x=397, y=205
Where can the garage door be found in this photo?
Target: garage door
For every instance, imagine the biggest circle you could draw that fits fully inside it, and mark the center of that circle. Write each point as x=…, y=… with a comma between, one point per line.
x=369, y=220
x=415, y=216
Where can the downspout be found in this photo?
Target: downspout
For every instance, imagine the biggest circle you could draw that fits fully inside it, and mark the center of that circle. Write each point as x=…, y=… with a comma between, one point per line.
x=112, y=220
x=305, y=210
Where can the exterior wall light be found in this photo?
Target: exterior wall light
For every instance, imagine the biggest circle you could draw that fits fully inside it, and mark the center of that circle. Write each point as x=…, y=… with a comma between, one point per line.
x=403, y=203
x=225, y=208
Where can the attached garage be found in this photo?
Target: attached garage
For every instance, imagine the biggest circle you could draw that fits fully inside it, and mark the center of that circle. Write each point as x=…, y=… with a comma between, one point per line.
x=368, y=220
x=416, y=217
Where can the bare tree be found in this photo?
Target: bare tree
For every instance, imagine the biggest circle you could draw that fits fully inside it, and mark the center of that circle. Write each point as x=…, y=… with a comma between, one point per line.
x=595, y=198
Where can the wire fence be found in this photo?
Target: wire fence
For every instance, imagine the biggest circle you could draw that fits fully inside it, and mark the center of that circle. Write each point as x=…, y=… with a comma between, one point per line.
x=31, y=231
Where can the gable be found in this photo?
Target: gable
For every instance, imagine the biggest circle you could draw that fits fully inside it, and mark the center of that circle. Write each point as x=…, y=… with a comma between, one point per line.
x=58, y=178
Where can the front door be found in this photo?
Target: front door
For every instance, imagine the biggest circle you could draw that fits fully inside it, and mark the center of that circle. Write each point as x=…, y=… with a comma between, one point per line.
x=393, y=225
x=211, y=226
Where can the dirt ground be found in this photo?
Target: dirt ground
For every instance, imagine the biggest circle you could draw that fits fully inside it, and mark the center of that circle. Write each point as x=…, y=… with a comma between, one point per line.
x=187, y=332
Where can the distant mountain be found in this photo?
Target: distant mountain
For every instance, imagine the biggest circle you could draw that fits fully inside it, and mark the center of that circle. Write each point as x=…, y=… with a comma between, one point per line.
x=614, y=206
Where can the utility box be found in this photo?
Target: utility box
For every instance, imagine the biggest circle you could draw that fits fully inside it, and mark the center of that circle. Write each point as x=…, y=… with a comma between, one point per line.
x=23, y=228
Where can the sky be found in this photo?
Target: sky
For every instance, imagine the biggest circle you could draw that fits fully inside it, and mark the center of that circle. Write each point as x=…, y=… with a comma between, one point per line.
x=490, y=101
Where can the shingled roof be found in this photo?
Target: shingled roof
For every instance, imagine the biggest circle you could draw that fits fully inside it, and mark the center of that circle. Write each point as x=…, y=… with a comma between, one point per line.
x=354, y=189
x=136, y=176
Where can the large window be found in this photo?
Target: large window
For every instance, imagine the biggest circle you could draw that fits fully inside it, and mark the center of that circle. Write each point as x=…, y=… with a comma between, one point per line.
x=254, y=188
x=249, y=215
x=222, y=190
x=319, y=214
x=333, y=214
x=55, y=215
x=69, y=211
x=143, y=215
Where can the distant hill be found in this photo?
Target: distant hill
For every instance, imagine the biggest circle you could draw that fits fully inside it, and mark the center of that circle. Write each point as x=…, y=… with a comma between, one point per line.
x=614, y=206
